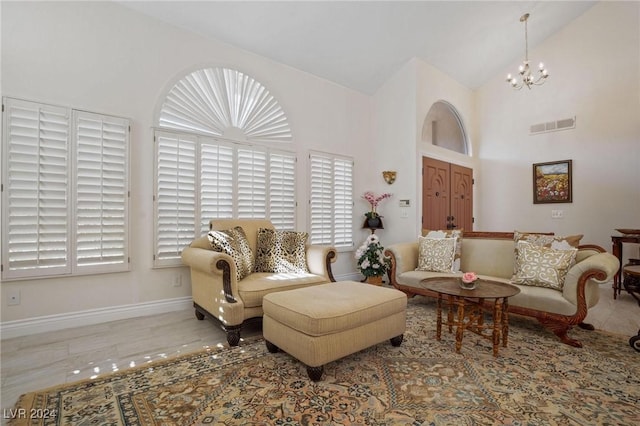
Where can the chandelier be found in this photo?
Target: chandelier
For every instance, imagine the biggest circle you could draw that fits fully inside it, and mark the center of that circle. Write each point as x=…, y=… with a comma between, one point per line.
x=526, y=77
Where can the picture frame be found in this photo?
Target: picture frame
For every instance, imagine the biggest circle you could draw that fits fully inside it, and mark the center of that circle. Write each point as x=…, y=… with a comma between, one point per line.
x=552, y=182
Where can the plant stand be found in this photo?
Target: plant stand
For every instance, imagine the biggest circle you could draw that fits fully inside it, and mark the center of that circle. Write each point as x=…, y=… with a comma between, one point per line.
x=374, y=280
x=373, y=224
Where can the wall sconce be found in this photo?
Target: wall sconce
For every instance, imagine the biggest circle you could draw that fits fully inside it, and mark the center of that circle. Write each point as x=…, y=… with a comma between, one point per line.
x=389, y=176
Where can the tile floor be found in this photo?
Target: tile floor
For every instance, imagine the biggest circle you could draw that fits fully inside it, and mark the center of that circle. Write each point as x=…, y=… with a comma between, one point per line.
x=43, y=360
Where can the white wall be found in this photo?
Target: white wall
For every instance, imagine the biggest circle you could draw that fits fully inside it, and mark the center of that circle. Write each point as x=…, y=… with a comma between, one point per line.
x=393, y=148
x=400, y=108
x=103, y=57
x=595, y=76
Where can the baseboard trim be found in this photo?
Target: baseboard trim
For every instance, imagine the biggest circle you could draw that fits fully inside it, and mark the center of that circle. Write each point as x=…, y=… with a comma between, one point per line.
x=44, y=324
x=348, y=277
x=18, y=328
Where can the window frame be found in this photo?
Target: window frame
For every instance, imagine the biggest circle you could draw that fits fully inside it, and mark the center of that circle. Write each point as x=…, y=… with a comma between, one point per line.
x=347, y=206
x=71, y=264
x=199, y=227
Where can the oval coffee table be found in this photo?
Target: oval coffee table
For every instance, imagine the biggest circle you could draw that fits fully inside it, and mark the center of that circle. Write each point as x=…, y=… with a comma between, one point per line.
x=470, y=308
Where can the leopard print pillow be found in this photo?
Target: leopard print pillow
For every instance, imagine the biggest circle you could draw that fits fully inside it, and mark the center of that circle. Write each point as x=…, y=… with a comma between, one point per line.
x=234, y=243
x=281, y=251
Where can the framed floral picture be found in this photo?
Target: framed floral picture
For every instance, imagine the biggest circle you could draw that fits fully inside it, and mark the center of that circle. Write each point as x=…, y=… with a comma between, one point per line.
x=552, y=182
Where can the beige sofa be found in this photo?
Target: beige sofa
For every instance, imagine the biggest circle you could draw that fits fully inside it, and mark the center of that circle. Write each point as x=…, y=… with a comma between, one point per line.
x=491, y=256
x=219, y=295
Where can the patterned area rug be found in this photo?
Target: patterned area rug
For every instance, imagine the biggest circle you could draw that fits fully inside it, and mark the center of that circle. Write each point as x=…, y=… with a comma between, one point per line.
x=536, y=380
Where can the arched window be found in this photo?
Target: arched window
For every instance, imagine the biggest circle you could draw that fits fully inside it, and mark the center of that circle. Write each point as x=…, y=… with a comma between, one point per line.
x=443, y=127
x=222, y=150
x=226, y=103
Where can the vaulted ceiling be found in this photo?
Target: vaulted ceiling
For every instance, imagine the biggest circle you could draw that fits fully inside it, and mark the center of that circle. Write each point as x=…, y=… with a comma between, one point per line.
x=360, y=44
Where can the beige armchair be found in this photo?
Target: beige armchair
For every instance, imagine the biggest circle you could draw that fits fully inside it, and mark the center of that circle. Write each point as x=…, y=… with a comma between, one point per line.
x=218, y=294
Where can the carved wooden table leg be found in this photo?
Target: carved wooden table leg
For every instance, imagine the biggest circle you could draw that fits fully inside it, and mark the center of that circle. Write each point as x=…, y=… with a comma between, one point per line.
x=497, y=324
x=460, y=324
x=450, y=313
x=505, y=322
x=439, y=317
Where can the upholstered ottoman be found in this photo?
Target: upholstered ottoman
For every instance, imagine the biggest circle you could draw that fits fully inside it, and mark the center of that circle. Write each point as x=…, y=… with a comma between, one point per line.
x=323, y=323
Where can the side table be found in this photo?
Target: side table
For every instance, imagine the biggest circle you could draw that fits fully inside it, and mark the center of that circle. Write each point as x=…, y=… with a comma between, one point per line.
x=470, y=304
x=616, y=249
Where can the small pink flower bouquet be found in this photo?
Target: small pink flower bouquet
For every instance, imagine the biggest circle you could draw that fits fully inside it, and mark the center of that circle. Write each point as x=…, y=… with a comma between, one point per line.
x=469, y=277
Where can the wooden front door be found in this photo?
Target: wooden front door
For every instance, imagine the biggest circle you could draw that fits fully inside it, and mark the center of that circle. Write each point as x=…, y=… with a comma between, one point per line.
x=447, y=195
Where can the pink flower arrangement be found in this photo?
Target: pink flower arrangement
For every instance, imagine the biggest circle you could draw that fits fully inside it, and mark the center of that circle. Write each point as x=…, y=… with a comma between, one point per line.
x=374, y=201
x=469, y=277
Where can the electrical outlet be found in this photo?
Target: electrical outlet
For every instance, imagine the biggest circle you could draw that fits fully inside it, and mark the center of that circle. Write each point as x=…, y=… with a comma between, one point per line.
x=13, y=297
x=177, y=281
x=404, y=214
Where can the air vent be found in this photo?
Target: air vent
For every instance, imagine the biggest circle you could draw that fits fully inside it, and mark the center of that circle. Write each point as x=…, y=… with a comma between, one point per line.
x=552, y=126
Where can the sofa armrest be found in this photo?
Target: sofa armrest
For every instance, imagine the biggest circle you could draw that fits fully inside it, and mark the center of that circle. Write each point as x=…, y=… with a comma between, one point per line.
x=581, y=282
x=319, y=260
x=220, y=266
x=404, y=257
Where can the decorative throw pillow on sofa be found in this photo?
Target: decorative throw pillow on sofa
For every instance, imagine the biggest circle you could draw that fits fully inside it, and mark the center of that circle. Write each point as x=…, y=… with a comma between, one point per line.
x=234, y=243
x=435, y=254
x=281, y=251
x=542, y=240
x=448, y=233
x=541, y=266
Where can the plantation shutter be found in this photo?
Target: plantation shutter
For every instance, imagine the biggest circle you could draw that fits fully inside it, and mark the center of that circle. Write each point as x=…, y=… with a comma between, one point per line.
x=216, y=183
x=321, y=202
x=331, y=203
x=282, y=193
x=343, y=199
x=252, y=183
x=35, y=199
x=102, y=192
x=175, y=200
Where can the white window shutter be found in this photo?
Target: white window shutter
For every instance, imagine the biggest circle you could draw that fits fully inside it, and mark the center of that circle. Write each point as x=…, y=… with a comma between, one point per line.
x=252, y=183
x=36, y=194
x=216, y=183
x=343, y=202
x=102, y=192
x=321, y=202
x=175, y=200
x=331, y=202
x=282, y=190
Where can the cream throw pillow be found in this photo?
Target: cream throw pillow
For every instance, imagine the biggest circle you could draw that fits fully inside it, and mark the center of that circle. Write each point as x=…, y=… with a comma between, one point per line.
x=435, y=254
x=542, y=266
x=448, y=233
x=541, y=240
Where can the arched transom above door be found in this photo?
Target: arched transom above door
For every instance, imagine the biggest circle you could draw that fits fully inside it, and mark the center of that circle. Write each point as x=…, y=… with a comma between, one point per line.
x=227, y=103
x=443, y=127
